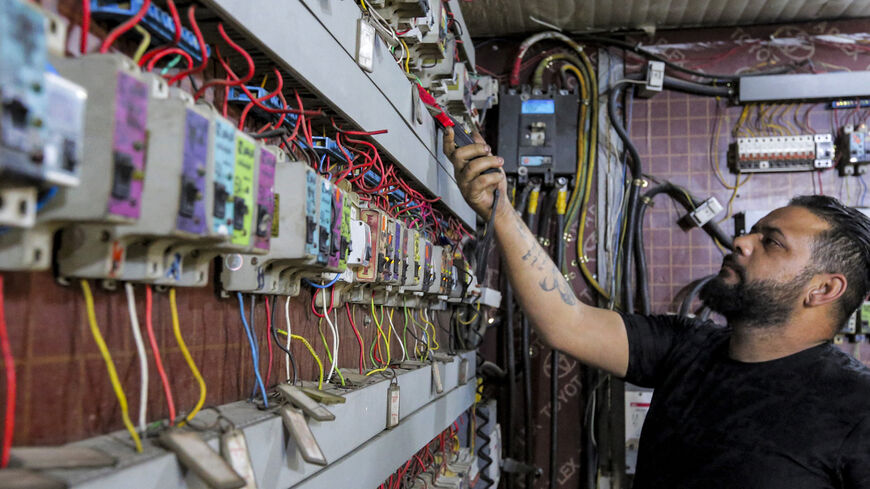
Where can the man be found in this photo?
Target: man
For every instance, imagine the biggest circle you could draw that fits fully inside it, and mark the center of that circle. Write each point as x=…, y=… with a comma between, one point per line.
x=766, y=402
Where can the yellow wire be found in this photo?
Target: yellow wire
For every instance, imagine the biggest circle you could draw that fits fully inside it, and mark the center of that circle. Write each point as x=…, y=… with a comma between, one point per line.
x=146, y=41
x=173, y=307
x=110, y=365
x=381, y=331
x=265, y=77
x=310, y=350
x=407, y=55
x=363, y=3
x=466, y=323
x=433, y=335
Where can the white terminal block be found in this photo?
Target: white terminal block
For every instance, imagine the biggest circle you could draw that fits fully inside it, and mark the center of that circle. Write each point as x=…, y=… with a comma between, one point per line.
x=705, y=212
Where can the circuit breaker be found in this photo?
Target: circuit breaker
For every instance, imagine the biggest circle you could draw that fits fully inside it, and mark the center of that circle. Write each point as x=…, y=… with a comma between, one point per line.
x=172, y=201
x=537, y=132
x=23, y=57
x=372, y=219
x=434, y=285
x=64, y=131
x=854, y=156
x=115, y=129
x=293, y=244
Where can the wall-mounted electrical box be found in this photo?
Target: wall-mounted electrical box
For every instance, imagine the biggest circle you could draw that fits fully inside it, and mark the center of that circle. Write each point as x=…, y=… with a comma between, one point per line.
x=537, y=132
x=771, y=154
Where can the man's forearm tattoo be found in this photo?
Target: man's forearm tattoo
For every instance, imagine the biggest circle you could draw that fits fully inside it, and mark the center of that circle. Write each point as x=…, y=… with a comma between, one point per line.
x=538, y=259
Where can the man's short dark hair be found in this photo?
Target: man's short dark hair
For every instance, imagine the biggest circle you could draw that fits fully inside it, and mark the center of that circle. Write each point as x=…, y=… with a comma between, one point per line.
x=843, y=248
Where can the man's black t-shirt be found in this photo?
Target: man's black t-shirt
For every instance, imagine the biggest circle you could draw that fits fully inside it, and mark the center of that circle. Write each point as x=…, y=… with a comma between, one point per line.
x=802, y=421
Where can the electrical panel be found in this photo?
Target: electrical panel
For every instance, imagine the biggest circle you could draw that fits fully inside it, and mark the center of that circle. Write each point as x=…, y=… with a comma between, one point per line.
x=537, y=132
x=771, y=154
x=854, y=152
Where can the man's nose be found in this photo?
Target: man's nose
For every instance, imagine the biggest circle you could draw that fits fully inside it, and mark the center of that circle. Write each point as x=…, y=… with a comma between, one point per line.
x=743, y=245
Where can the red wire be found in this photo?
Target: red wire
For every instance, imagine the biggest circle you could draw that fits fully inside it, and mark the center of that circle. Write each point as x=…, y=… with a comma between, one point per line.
x=167, y=52
x=202, y=49
x=126, y=26
x=176, y=21
x=236, y=81
x=153, y=341
x=250, y=105
x=358, y=337
x=11, y=385
x=268, y=332
x=86, y=28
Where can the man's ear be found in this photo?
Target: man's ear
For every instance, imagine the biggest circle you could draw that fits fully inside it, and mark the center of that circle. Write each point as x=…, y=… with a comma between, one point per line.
x=828, y=289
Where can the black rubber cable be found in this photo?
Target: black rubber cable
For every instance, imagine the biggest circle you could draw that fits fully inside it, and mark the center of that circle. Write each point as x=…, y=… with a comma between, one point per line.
x=694, y=289
x=554, y=368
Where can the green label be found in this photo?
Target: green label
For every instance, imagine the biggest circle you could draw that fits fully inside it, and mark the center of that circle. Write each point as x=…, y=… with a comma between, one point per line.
x=243, y=191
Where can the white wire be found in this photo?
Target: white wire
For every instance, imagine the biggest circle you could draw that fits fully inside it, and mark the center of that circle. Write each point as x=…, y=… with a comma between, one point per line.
x=289, y=332
x=332, y=328
x=337, y=338
x=396, y=333
x=143, y=359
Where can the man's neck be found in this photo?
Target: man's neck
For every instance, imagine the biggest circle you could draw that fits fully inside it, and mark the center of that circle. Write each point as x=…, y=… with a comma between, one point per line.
x=752, y=344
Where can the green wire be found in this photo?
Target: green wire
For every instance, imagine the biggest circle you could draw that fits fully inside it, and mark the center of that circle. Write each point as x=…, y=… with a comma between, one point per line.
x=171, y=64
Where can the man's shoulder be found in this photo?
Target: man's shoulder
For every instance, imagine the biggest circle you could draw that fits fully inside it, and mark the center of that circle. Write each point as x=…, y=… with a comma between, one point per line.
x=845, y=367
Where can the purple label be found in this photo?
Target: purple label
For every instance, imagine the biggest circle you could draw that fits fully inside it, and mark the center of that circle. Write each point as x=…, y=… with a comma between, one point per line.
x=191, y=206
x=335, y=242
x=265, y=199
x=128, y=150
x=397, y=254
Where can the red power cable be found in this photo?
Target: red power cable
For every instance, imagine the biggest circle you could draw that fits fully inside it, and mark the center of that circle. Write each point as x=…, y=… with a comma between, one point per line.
x=126, y=26
x=202, y=49
x=358, y=337
x=167, y=52
x=86, y=28
x=153, y=341
x=176, y=21
x=250, y=104
x=268, y=330
x=11, y=386
x=235, y=79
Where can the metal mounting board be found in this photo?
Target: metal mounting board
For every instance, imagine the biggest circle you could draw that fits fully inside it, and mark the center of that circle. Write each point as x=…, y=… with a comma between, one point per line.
x=316, y=51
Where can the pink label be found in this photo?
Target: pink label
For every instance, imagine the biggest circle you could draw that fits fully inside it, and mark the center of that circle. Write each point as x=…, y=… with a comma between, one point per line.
x=265, y=199
x=129, y=145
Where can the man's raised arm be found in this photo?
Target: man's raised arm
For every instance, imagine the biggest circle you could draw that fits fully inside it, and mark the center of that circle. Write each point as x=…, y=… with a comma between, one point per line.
x=594, y=336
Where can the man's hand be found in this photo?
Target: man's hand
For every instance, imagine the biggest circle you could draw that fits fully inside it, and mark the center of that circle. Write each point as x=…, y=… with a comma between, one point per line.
x=469, y=163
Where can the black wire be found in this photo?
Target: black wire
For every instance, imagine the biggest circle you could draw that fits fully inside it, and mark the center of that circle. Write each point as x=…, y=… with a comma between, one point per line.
x=290, y=355
x=269, y=134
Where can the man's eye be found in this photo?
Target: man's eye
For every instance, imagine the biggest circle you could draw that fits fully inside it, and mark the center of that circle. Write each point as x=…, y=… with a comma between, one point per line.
x=766, y=241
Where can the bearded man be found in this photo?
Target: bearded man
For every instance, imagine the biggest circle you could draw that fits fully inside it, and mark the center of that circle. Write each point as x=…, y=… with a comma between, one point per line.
x=766, y=402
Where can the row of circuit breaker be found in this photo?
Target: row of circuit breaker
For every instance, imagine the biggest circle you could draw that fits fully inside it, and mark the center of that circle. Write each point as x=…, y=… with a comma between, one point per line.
x=771, y=154
x=145, y=185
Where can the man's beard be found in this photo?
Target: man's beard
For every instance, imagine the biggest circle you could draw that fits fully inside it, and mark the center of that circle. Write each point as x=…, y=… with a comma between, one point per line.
x=760, y=303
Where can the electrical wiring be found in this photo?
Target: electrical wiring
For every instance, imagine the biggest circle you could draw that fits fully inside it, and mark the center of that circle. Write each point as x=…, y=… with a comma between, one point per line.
x=166, y=52
x=405, y=331
x=115, y=33
x=143, y=357
x=396, y=334
x=323, y=286
x=387, y=341
x=152, y=340
x=176, y=22
x=146, y=41
x=11, y=383
x=269, y=343
x=333, y=357
x=290, y=358
x=362, y=347
x=253, y=349
x=110, y=365
x=424, y=316
x=232, y=79
x=176, y=329
x=313, y=354
x=191, y=15
x=86, y=29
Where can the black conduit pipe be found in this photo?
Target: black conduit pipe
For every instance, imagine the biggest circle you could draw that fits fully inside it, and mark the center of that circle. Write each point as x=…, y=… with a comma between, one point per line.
x=694, y=289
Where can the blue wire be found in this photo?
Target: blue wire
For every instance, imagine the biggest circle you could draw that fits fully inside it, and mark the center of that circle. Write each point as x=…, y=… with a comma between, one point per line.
x=253, y=325
x=253, y=349
x=864, y=192
x=317, y=286
x=46, y=198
